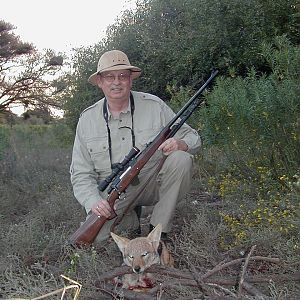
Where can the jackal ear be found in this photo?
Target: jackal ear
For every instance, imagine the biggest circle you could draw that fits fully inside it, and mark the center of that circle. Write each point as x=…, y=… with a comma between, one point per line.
x=122, y=242
x=154, y=236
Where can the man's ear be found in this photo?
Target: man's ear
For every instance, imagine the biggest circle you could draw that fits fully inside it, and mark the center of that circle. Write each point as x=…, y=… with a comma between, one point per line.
x=154, y=236
x=121, y=242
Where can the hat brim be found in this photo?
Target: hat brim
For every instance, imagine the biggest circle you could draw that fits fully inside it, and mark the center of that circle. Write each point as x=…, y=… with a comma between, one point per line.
x=136, y=72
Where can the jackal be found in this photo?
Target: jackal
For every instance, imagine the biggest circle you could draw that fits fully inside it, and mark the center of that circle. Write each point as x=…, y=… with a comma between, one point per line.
x=141, y=253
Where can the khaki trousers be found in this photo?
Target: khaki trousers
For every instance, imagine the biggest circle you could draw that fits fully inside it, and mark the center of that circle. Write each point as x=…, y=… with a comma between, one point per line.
x=162, y=188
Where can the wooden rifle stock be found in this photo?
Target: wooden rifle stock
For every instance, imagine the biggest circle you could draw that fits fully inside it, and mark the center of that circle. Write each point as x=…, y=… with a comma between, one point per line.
x=88, y=231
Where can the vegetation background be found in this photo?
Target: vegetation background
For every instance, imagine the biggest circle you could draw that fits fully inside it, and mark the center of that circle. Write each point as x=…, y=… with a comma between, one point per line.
x=246, y=180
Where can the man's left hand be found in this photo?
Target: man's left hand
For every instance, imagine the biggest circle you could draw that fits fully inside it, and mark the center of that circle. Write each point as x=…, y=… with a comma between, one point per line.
x=170, y=145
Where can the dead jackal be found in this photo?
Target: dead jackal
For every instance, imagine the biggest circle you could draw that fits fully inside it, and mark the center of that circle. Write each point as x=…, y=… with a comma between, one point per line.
x=141, y=253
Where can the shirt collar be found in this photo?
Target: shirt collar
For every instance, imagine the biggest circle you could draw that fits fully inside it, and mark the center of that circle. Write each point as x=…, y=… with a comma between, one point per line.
x=124, y=111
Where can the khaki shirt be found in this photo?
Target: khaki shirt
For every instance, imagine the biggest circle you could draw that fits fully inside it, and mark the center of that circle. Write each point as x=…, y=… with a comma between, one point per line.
x=91, y=160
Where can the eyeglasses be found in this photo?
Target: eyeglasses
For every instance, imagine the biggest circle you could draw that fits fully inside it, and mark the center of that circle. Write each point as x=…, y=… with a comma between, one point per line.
x=121, y=77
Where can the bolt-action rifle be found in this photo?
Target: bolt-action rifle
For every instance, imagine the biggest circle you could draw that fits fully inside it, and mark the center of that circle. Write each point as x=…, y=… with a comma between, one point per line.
x=129, y=168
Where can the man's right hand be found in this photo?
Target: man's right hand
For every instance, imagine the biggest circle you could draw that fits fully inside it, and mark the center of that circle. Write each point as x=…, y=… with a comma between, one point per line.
x=102, y=208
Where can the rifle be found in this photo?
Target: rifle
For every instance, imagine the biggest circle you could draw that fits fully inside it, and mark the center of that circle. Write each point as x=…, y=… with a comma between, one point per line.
x=129, y=168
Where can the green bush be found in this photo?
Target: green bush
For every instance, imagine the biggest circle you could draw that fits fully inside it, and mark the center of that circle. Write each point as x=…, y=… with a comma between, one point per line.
x=257, y=118
x=63, y=135
x=254, y=122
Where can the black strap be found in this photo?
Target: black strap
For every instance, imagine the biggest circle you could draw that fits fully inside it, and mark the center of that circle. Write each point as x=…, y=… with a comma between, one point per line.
x=105, y=115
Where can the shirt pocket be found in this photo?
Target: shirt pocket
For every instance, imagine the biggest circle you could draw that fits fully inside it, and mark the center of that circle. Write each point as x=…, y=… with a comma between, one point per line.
x=99, y=153
x=144, y=137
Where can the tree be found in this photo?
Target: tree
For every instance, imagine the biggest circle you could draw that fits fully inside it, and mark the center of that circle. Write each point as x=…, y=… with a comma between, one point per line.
x=177, y=42
x=81, y=93
x=27, y=77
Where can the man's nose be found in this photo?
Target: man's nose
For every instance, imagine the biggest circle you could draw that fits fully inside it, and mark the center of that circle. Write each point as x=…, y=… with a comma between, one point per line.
x=116, y=79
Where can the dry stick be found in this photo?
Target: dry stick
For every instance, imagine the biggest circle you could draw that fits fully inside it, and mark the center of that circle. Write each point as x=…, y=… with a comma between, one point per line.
x=159, y=294
x=62, y=290
x=126, y=294
x=188, y=279
x=232, y=280
x=253, y=291
x=244, y=269
x=237, y=261
x=217, y=268
x=177, y=284
x=178, y=273
x=198, y=279
x=222, y=289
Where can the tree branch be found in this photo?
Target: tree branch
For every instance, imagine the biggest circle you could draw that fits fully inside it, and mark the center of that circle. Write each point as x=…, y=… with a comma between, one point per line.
x=192, y=279
x=244, y=271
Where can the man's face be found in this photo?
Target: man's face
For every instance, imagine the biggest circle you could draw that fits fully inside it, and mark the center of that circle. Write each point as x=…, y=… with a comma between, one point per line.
x=116, y=85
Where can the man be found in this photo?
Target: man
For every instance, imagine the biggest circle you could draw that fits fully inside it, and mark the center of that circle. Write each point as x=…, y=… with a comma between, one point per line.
x=108, y=130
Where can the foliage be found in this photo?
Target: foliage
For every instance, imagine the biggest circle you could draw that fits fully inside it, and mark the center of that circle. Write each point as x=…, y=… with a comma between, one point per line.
x=248, y=168
x=180, y=41
x=38, y=214
x=11, y=46
x=258, y=118
x=82, y=93
x=177, y=43
x=27, y=77
x=255, y=121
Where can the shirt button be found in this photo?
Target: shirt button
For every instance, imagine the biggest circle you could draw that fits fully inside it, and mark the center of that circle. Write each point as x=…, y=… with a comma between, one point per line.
x=123, y=138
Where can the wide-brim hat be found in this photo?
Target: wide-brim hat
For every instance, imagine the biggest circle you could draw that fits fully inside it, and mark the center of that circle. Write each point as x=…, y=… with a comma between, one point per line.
x=111, y=61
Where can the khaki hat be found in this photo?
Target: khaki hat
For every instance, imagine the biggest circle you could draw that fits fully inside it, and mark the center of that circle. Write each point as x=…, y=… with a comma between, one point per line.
x=111, y=61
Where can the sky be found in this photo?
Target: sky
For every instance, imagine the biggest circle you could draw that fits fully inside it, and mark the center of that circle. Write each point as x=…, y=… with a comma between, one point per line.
x=62, y=24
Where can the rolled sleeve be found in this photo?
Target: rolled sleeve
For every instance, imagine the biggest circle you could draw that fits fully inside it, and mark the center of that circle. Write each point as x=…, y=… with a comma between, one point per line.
x=191, y=138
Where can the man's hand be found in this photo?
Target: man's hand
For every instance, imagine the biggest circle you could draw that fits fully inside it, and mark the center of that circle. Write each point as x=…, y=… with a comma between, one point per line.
x=102, y=208
x=171, y=145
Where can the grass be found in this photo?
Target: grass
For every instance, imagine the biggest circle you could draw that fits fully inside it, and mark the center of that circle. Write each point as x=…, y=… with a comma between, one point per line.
x=39, y=212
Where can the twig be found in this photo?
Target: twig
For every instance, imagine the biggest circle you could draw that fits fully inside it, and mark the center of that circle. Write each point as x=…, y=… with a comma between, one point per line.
x=178, y=283
x=223, y=289
x=172, y=272
x=77, y=286
x=184, y=278
x=244, y=269
x=126, y=294
x=160, y=293
x=62, y=290
x=238, y=261
x=253, y=291
x=217, y=268
x=197, y=278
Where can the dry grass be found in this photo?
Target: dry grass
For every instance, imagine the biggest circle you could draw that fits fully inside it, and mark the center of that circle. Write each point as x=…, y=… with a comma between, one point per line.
x=39, y=212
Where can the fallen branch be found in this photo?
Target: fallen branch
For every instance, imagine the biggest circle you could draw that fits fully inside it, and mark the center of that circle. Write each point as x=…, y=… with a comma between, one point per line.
x=238, y=261
x=253, y=291
x=172, y=272
x=119, y=293
x=242, y=278
x=181, y=278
